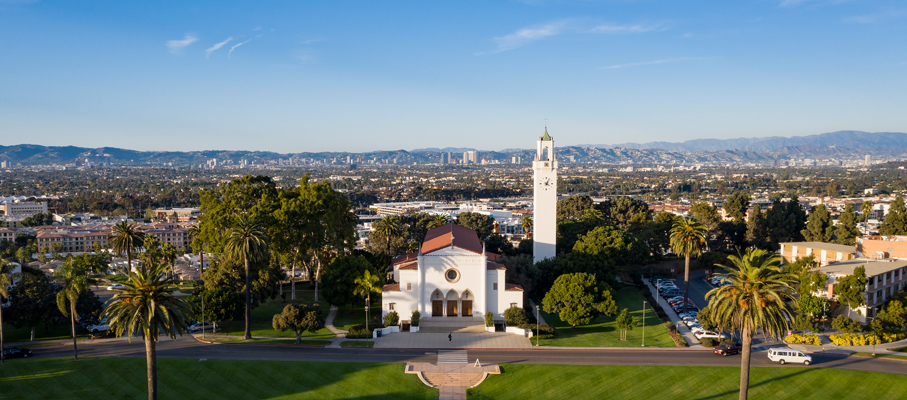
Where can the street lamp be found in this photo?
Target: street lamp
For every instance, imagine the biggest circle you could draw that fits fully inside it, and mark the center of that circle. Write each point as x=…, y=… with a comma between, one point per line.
x=366, y=319
x=203, y=315
x=644, y=323
x=537, y=322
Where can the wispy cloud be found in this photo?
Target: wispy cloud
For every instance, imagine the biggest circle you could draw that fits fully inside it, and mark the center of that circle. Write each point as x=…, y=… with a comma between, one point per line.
x=656, y=62
x=237, y=45
x=176, y=46
x=525, y=36
x=874, y=18
x=616, y=29
x=310, y=41
x=791, y=3
x=217, y=46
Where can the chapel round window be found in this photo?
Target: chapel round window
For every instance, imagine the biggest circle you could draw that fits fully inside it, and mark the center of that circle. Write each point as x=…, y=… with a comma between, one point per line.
x=452, y=275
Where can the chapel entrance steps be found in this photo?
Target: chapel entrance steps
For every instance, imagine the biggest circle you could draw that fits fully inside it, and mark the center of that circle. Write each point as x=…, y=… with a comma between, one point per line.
x=452, y=324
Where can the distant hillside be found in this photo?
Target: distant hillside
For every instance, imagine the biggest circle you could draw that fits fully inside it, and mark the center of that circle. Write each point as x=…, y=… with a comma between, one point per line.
x=850, y=140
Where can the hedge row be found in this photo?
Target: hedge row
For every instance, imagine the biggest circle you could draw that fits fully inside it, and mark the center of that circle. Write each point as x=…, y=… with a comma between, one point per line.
x=854, y=339
x=803, y=339
x=543, y=329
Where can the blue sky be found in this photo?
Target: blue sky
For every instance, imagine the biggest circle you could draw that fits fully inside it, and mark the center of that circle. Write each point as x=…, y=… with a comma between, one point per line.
x=368, y=75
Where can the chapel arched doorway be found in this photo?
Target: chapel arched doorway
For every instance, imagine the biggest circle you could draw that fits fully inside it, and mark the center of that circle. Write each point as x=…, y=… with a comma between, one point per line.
x=452, y=300
x=437, y=304
x=466, y=304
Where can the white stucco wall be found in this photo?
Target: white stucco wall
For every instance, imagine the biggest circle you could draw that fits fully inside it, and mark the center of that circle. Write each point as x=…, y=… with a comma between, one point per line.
x=544, y=213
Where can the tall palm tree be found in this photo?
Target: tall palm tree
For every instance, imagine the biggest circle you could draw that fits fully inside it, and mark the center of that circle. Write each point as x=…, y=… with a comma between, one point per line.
x=195, y=233
x=126, y=238
x=527, y=224
x=438, y=220
x=168, y=256
x=758, y=297
x=246, y=241
x=75, y=280
x=866, y=209
x=388, y=227
x=147, y=304
x=687, y=239
x=365, y=286
x=6, y=280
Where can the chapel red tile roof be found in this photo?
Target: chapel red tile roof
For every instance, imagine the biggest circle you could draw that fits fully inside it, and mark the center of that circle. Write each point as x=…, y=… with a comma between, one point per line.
x=392, y=287
x=492, y=256
x=512, y=286
x=451, y=235
x=412, y=265
x=494, y=265
x=404, y=258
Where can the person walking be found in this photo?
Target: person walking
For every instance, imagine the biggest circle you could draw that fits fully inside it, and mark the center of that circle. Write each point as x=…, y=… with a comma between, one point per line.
x=450, y=337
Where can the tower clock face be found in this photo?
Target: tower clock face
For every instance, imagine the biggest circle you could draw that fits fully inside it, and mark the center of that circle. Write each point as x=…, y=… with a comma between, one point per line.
x=546, y=183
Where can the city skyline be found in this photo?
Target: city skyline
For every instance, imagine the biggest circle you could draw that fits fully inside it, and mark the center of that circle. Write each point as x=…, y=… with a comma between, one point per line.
x=288, y=77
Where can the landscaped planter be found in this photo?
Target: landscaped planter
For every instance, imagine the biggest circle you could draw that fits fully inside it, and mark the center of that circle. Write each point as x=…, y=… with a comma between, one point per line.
x=489, y=329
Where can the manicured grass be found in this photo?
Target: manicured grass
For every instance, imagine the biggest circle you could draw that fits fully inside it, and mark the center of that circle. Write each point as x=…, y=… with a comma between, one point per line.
x=113, y=278
x=363, y=343
x=239, y=339
x=900, y=349
x=346, y=318
x=521, y=381
x=892, y=356
x=124, y=378
x=57, y=332
x=263, y=315
x=603, y=331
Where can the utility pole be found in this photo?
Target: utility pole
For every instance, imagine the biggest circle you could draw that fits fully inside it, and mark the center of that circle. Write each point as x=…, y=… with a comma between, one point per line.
x=644, y=323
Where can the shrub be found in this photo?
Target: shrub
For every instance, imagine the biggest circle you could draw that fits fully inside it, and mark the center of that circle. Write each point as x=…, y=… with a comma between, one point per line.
x=414, y=320
x=391, y=319
x=489, y=319
x=358, y=332
x=854, y=340
x=708, y=342
x=803, y=339
x=543, y=329
x=515, y=316
x=844, y=324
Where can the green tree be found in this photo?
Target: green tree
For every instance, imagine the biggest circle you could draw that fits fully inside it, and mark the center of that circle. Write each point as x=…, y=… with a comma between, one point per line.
x=785, y=221
x=168, y=256
x=6, y=280
x=865, y=210
x=387, y=231
x=74, y=280
x=515, y=316
x=147, y=305
x=299, y=318
x=247, y=242
x=340, y=279
x=620, y=246
x=846, y=231
x=199, y=246
x=624, y=212
x=757, y=297
x=849, y=289
x=574, y=207
x=219, y=304
x=687, y=240
x=578, y=298
x=818, y=226
x=569, y=231
x=844, y=324
x=526, y=222
x=736, y=205
x=126, y=237
x=706, y=215
x=709, y=260
x=367, y=284
x=895, y=222
x=894, y=316
x=549, y=270
x=625, y=322
x=481, y=223
x=812, y=305
x=656, y=234
x=32, y=301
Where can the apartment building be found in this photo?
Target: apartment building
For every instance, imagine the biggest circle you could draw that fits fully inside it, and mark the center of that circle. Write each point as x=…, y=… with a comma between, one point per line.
x=885, y=279
x=22, y=208
x=174, y=234
x=881, y=247
x=72, y=238
x=7, y=235
x=824, y=253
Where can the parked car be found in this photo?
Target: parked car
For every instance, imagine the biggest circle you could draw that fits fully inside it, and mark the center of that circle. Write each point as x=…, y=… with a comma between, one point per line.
x=101, y=326
x=710, y=335
x=15, y=352
x=664, y=284
x=207, y=327
x=671, y=293
x=689, y=313
x=691, y=322
x=655, y=279
x=726, y=349
x=116, y=286
x=786, y=355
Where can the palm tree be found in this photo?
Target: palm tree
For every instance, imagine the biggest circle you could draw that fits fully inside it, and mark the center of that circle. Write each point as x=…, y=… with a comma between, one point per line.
x=75, y=280
x=195, y=233
x=6, y=280
x=246, y=241
x=147, y=304
x=687, y=239
x=365, y=286
x=388, y=227
x=758, y=297
x=438, y=220
x=126, y=238
x=168, y=255
x=527, y=224
x=866, y=209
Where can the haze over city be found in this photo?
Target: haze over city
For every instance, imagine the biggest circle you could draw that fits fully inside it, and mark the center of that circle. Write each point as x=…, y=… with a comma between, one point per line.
x=363, y=76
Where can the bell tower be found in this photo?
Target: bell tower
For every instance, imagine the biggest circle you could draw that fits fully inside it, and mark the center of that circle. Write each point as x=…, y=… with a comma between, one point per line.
x=544, y=218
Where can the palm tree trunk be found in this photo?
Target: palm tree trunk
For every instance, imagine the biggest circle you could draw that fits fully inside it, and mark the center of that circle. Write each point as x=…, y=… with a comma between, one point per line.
x=686, y=282
x=745, y=362
x=72, y=319
x=151, y=362
x=1, y=333
x=248, y=334
x=293, y=280
x=32, y=339
x=201, y=266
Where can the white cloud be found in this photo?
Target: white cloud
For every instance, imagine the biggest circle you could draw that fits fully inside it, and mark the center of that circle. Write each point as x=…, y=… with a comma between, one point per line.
x=525, y=36
x=217, y=46
x=176, y=45
x=874, y=18
x=614, y=29
x=665, y=61
x=791, y=3
x=235, y=46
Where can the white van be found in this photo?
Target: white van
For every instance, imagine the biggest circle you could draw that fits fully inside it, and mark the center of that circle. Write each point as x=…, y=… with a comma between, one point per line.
x=786, y=355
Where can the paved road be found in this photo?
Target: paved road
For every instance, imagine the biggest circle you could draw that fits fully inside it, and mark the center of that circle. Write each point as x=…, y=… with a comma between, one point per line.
x=187, y=347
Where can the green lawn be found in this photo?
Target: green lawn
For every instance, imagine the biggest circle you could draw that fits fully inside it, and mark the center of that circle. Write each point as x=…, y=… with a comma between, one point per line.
x=124, y=378
x=238, y=339
x=520, y=381
x=264, y=314
x=603, y=332
x=346, y=318
x=13, y=334
x=900, y=349
x=893, y=356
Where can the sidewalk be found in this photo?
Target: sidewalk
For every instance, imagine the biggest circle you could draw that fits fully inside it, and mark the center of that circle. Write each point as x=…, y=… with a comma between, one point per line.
x=681, y=327
x=829, y=347
x=329, y=324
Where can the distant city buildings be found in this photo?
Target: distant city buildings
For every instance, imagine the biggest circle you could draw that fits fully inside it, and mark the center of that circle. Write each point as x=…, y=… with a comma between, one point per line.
x=16, y=208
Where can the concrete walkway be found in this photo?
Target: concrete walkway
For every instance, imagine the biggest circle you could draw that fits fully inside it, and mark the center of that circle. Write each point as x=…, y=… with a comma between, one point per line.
x=829, y=347
x=464, y=340
x=452, y=379
x=329, y=324
x=681, y=327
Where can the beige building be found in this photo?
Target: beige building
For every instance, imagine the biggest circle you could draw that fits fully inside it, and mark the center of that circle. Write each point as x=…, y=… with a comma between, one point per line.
x=175, y=234
x=824, y=253
x=22, y=208
x=7, y=235
x=879, y=247
x=885, y=279
x=72, y=238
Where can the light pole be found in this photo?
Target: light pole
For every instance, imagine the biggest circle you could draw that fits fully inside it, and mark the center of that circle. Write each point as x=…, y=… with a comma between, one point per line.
x=644, y=323
x=537, y=322
x=203, y=315
x=366, y=319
